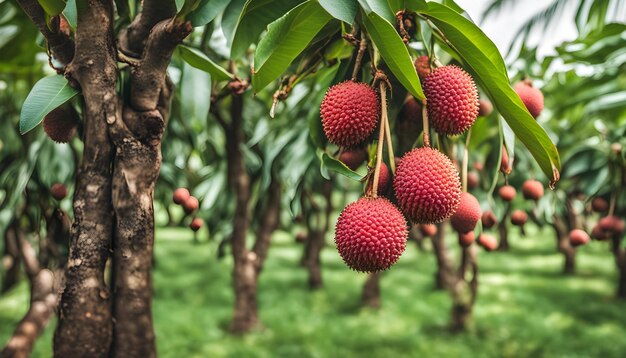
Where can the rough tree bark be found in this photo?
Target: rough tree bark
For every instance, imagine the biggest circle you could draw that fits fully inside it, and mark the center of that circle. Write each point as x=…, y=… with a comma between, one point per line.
x=445, y=272
x=503, y=228
x=464, y=291
x=371, y=291
x=561, y=229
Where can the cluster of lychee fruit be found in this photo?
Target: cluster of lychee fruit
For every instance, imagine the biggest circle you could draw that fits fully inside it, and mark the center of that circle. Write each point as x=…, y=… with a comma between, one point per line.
x=609, y=225
x=190, y=204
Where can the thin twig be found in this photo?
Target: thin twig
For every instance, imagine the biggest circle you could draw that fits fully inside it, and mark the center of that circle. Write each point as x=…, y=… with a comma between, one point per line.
x=425, y=124
x=390, y=152
x=359, y=56
x=465, y=160
x=381, y=138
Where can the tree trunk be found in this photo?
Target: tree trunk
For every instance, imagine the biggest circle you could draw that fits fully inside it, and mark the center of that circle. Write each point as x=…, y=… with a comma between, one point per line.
x=371, y=291
x=621, y=287
x=11, y=259
x=503, y=229
x=316, y=240
x=444, y=274
x=561, y=231
x=464, y=291
x=619, y=254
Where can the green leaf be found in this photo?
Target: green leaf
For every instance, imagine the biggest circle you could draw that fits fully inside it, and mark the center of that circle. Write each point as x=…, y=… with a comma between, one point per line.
x=342, y=10
x=206, y=11
x=284, y=41
x=255, y=16
x=230, y=17
x=200, y=61
x=47, y=94
x=379, y=7
x=52, y=7
x=70, y=13
x=483, y=59
x=179, y=4
x=394, y=52
x=195, y=88
x=335, y=165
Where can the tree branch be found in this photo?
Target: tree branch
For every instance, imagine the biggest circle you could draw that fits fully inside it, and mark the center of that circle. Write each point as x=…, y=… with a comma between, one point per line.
x=133, y=39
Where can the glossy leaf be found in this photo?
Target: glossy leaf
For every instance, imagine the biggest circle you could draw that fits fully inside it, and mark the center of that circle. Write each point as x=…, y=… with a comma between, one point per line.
x=337, y=166
x=200, y=61
x=206, y=11
x=52, y=7
x=344, y=10
x=47, y=94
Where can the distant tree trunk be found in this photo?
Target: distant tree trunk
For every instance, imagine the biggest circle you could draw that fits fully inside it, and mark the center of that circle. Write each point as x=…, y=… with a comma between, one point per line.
x=444, y=273
x=315, y=240
x=371, y=291
x=464, y=291
x=503, y=229
x=619, y=254
x=11, y=259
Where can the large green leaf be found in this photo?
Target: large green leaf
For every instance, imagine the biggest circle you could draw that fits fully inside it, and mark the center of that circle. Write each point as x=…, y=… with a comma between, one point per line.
x=285, y=39
x=52, y=7
x=483, y=59
x=329, y=163
x=381, y=8
x=255, y=16
x=200, y=61
x=394, y=52
x=344, y=10
x=47, y=94
x=195, y=88
x=206, y=11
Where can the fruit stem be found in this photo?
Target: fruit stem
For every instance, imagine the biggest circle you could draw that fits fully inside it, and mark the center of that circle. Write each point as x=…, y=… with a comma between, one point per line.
x=359, y=56
x=381, y=138
x=385, y=118
x=425, y=124
x=465, y=160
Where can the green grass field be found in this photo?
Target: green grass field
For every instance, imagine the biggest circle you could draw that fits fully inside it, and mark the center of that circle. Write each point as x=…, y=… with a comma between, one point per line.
x=525, y=307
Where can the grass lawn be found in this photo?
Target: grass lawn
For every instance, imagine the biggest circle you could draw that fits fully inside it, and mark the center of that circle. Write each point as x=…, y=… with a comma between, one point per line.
x=525, y=307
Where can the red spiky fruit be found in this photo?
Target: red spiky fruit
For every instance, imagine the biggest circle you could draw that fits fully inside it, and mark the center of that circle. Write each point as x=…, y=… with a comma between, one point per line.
x=599, y=205
x=429, y=230
x=196, y=224
x=519, y=218
x=489, y=219
x=191, y=204
x=507, y=193
x=578, y=237
x=427, y=186
x=472, y=180
x=452, y=100
x=61, y=124
x=353, y=158
x=467, y=214
x=505, y=164
x=488, y=242
x=422, y=66
x=180, y=196
x=350, y=112
x=532, y=97
x=371, y=234
x=484, y=108
x=612, y=225
x=384, y=179
x=466, y=238
x=411, y=111
x=58, y=191
x=599, y=234
x=532, y=189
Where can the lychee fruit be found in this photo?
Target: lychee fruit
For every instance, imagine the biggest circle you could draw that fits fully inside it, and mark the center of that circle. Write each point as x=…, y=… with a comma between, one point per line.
x=599, y=234
x=428, y=230
x=422, y=66
x=427, y=186
x=519, y=218
x=616, y=148
x=301, y=237
x=353, y=158
x=466, y=239
x=599, y=205
x=467, y=214
x=350, y=112
x=61, y=124
x=180, y=196
x=612, y=225
x=371, y=234
x=488, y=242
x=532, y=97
x=384, y=178
x=472, y=180
x=58, y=191
x=411, y=111
x=484, y=108
x=191, y=204
x=578, y=237
x=479, y=166
x=196, y=224
x=489, y=219
x=505, y=164
x=507, y=193
x=532, y=189
x=452, y=100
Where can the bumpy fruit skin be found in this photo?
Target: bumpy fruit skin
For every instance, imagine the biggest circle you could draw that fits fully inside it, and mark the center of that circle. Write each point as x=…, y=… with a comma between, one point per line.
x=599, y=205
x=58, y=191
x=452, y=100
x=519, y=218
x=507, y=193
x=532, y=98
x=612, y=225
x=350, y=112
x=61, y=124
x=180, y=196
x=488, y=242
x=467, y=215
x=427, y=186
x=191, y=204
x=371, y=234
x=505, y=164
x=484, y=108
x=532, y=189
x=429, y=230
x=384, y=179
x=489, y=219
x=353, y=158
x=422, y=66
x=196, y=224
x=472, y=180
x=466, y=239
x=578, y=237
